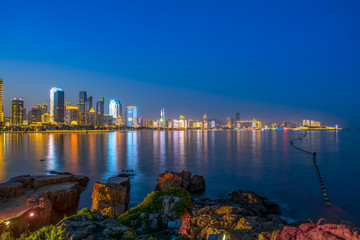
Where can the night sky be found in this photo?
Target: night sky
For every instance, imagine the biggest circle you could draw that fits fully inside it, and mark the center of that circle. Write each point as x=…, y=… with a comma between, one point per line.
x=269, y=60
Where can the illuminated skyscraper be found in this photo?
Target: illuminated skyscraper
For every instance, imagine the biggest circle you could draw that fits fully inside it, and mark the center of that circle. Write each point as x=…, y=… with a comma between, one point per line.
x=162, y=118
x=115, y=108
x=100, y=113
x=131, y=118
x=81, y=104
x=205, y=123
x=17, y=111
x=57, y=103
x=1, y=103
x=91, y=117
x=72, y=115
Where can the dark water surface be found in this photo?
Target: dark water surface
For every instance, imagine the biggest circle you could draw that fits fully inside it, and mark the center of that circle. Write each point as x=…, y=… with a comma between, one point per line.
x=263, y=162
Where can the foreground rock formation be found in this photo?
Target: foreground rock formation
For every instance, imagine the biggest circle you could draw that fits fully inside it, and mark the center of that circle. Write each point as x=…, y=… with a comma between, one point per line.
x=316, y=231
x=157, y=210
x=242, y=215
x=111, y=198
x=181, y=179
x=30, y=202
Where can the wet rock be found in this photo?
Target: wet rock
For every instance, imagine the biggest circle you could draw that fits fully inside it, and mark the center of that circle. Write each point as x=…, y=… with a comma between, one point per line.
x=197, y=184
x=26, y=180
x=46, y=180
x=10, y=189
x=30, y=202
x=111, y=198
x=181, y=179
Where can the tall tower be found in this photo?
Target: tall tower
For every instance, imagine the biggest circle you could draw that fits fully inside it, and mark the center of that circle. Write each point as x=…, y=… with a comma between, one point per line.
x=81, y=104
x=205, y=123
x=100, y=112
x=17, y=111
x=1, y=103
x=162, y=117
x=131, y=118
x=57, y=103
x=115, y=108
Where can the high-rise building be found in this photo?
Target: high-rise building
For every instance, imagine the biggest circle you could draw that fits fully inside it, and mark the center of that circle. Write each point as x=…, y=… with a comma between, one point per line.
x=1, y=103
x=81, y=104
x=237, y=117
x=91, y=117
x=205, y=122
x=162, y=118
x=72, y=115
x=100, y=113
x=17, y=111
x=35, y=114
x=131, y=118
x=115, y=108
x=57, y=103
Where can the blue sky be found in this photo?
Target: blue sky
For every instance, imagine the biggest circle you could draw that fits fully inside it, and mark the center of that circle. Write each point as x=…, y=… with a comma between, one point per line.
x=273, y=60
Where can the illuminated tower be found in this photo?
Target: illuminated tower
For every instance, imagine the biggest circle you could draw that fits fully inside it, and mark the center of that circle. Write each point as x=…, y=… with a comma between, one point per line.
x=1, y=103
x=115, y=108
x=81, y=104
x=57, y=103
x=100, y=112
x=131, y=118
x=205, y=123
x=229, y=122
x=17, y=111
x=162, y=117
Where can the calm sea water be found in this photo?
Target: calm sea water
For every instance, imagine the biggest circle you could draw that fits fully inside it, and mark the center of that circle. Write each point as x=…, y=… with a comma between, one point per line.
x=263, y=162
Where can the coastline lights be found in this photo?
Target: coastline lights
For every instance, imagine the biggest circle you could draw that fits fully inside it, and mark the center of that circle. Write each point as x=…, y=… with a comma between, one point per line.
x=32, y=214
x=7, y=223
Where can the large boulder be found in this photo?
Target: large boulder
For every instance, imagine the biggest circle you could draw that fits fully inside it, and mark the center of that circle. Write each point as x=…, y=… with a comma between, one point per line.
x=181, y=179
x=241, y=215
x=111, y=198
x=30, y=202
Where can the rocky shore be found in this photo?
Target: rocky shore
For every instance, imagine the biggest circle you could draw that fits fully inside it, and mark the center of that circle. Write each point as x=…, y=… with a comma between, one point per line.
x=167, y=213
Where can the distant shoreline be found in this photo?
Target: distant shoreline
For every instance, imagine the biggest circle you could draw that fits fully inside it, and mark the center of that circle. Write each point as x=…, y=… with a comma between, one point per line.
x=127, y=130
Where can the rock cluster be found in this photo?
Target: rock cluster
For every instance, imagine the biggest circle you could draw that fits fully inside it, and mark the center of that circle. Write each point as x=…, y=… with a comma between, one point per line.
x=242, y=215
x=181, y=179
x=111, y=198
x=157, y=210
x=30, y=202
x=89, y=225
x=314, y=231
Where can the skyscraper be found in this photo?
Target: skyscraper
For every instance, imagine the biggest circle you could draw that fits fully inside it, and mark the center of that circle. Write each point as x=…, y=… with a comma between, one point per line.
x=205, y=122
x=81, y=104
x=89, y=106
x=131, y=118
x=17, y=111
x=162, y=118
x=115, y=108
x=57, y=102
x=100, y=113
x=237, y=117
x=1, y=103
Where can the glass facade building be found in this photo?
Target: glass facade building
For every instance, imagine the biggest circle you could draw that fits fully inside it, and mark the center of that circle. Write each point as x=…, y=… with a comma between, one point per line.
x=57, y=104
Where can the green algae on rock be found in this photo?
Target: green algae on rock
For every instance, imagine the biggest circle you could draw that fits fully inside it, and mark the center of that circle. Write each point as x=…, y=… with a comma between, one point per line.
x=157, y=209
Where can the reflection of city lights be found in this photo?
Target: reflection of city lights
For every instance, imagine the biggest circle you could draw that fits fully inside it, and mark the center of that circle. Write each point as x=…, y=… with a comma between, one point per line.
x=7, y=223
x=224, y=237
x=32, y=214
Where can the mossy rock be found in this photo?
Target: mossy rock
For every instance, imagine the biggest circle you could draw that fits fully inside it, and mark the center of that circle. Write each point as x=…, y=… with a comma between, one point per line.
x=153, y=204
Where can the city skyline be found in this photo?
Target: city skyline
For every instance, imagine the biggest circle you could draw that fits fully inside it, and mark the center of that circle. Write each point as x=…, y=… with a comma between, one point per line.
x=264, y=60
